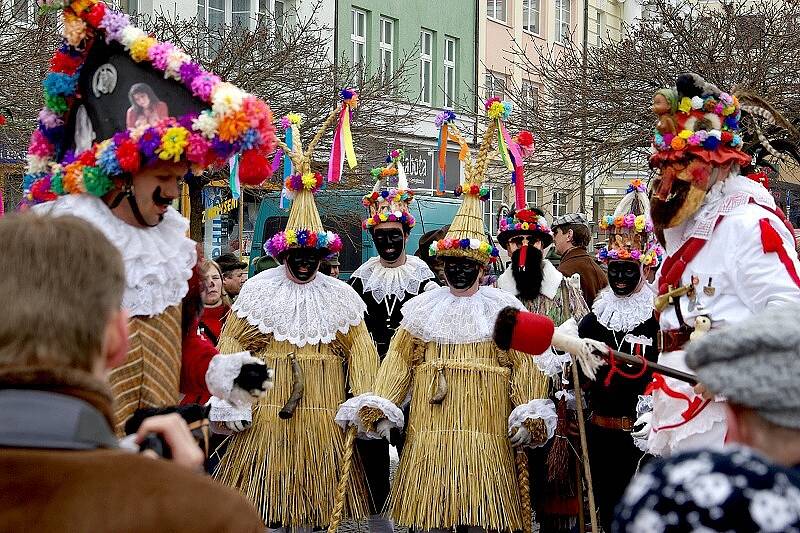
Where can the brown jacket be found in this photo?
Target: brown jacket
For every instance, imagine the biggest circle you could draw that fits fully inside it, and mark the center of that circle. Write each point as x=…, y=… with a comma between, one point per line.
x=101, y=489
x=593, y=279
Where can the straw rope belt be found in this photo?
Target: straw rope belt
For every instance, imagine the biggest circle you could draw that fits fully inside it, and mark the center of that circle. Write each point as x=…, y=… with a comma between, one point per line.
x=439, y=364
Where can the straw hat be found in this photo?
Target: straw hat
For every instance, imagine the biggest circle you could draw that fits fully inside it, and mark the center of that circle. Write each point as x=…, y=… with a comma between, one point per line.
x=630, y=230
x=389, y=204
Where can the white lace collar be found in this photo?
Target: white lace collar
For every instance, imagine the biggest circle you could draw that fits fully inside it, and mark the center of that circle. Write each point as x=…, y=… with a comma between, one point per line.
x=623, y=313
x=398, y=281
x=550, y=282
x=440, y=316
x=301, y=314
x=158, y=260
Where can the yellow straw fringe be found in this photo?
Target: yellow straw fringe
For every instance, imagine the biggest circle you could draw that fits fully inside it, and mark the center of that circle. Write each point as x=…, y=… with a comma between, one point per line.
x=290, y=469
x=303, y=213
x=457, y=467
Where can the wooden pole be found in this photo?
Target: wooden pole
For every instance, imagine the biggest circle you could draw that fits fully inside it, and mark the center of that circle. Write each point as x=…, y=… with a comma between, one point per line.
x=655, y=367
x=584, y=449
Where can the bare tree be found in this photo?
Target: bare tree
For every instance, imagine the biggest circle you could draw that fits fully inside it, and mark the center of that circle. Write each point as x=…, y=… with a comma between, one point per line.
x=749, y=45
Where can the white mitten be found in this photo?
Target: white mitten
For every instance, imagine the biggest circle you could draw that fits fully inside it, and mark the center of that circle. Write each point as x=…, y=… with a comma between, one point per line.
x=646, y=422
x=522, y=437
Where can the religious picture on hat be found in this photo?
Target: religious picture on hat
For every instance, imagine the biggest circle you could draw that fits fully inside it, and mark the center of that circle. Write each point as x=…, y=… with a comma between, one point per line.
x=146, y=108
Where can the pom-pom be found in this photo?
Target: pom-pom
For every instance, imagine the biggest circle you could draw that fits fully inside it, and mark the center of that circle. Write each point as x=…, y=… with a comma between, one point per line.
x=525, y=138
x=254, y=167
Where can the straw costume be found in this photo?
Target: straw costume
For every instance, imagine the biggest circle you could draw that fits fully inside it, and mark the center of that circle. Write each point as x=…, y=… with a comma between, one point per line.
x=622, y=317
x=117, y=103
x=313, y=334
x=730, y=252
x=457, y=466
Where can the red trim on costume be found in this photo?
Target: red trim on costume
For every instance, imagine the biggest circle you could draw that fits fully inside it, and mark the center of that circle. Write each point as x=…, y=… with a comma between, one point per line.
x=772, y=242
x=695, y=404
x=613, y=369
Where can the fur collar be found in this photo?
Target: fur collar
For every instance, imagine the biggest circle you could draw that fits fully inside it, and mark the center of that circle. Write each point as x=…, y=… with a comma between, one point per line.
x=550, y=282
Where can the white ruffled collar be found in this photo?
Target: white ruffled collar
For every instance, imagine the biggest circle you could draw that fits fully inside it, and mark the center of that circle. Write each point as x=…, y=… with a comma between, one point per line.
x=623, y=313
x=158, y=260
x=551, y=281
x=440, y=316
x=310, y=313
x=398, y=281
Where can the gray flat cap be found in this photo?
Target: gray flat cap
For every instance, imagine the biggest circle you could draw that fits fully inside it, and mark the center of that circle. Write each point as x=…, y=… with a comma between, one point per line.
x=571, y=218
x=755, y=363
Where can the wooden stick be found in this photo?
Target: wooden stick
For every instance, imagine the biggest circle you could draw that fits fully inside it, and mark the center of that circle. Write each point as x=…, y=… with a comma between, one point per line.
x=584, y=449
x=655, y=367
x=344, y=480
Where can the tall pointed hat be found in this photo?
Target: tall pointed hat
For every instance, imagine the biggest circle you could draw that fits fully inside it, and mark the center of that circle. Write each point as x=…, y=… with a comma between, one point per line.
x=304, y=228
x=467, y=236
x=386, y=203
x=117, y=100
x=630, y=230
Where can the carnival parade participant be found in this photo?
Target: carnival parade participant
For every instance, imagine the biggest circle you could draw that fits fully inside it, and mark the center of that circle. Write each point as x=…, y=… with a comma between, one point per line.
x=730, y=251
x=571, y=236
x=622, y=317
x=457, y=467
x=286, y=453
x=386, y=283
x=84, y=160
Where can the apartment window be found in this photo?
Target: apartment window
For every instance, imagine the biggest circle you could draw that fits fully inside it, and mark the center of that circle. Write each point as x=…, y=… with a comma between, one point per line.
x=269, y=10
x=425, y=65
x=495, y=85
x=530, y=15
x=358, y=37
x=496, y=9
x=600, y=27
x=491, y=207
x=240, y=14
x=562, y=14
x=387, y=48
x=559, y=203
x=449, y=72
x=132, y=7
x=530, y=102
x=22, y=10
x=211, y=14
x=532, y=197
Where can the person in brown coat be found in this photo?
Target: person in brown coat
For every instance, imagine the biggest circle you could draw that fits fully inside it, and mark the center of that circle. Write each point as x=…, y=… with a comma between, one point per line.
x=571, y=237
x=62, y=467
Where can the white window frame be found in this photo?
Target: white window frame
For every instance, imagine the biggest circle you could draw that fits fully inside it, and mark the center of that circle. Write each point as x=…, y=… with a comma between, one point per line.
x=30, y=11
x=491, y=206
x=246, y=12
x=531, y=10
x=600, y=26
x=492, y=81
x=530, y=102
x=358, y=42
x=559, y=207
x=562, y=14
x=426, y=67
x=387, y=48
x=449, y=67
x=493, y=9
x=532, y=196
x=268, y=11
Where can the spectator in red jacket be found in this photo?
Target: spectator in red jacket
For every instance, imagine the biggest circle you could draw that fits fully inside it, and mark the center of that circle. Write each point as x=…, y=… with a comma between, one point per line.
x=215, y=301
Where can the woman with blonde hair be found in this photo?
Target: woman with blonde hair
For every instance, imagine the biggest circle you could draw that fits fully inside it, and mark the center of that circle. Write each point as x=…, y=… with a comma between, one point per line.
x=216, y=303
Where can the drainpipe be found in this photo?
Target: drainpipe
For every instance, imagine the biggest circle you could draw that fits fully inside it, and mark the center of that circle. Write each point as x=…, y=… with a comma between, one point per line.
x=584, y=56
x=477, y=56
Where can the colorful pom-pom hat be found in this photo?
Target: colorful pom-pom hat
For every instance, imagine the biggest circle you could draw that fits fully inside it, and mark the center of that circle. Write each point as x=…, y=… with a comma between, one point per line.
x=467, y=235
x=528, y=221
x=118, y=100
x=386, y=203
x=304, y=228
x=630, y=230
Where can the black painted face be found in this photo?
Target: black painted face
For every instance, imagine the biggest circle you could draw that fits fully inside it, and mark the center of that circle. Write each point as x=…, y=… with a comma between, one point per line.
x=390, y=243
x=623, y=276
x=303, y=263
x=460, y=272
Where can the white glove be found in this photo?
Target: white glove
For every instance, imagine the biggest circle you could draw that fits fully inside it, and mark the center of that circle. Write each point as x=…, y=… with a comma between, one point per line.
x=237, y=426
x=520, y=438
x=583, y=351
x=646, y=422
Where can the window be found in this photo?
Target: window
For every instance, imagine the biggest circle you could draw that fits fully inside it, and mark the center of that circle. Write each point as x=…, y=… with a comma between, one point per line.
x=600, y=27
x=496, y=9
x=211, y=14
x=532, y=197
x=269, y=10
x=387, y=49
x=495, y=84
x=23, y=11
x=425, y=65
x=240, y=14
x=449, y=72
x=491, y=207
x=562, y=16
x=132, y=7
x=358, y=38
x=530, y=16
x=530, y=102
x=559, y=203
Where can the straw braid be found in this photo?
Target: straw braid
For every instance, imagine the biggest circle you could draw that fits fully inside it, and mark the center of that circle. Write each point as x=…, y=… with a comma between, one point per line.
x=482, y=161
x=344, y=480
x=468, y=160
x=768, y=146
x=523, y=479
x=317, y=136
x=761, y=103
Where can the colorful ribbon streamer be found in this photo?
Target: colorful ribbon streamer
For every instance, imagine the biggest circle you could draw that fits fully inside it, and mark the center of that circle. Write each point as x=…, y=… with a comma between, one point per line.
x=236, y=188
x=342, y=142
x=446, y=135
x=285, y=201
x=511, y=154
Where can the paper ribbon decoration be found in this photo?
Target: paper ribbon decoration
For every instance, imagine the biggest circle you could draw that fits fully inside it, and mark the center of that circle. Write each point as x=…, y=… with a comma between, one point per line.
x=236, y=188
x=511, y=154
x=342, y=145
x=288, y=169
x=446, y=135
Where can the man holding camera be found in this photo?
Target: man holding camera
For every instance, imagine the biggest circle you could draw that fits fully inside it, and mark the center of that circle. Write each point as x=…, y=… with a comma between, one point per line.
x=63, y=469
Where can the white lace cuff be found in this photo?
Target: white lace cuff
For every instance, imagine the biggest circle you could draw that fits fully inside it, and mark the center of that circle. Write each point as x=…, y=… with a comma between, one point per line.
x=222, y=370
x=642, y=444
x=348, y=414
x=223, y=411
x=569, y=397
x=551, y=363
x=544, y=409
x=644, y=405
